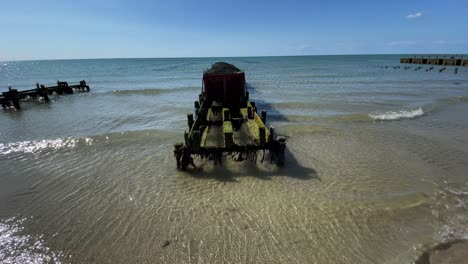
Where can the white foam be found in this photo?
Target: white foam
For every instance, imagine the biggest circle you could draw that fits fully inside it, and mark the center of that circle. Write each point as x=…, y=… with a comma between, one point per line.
x=449, y=233
x=17, y=247
x=458, y=192
x=397, y=115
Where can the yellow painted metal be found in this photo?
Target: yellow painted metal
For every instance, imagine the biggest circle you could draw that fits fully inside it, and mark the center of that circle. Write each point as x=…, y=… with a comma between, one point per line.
x=254, y=126
x=227, y=127
x=203, y=139
x=227, y=133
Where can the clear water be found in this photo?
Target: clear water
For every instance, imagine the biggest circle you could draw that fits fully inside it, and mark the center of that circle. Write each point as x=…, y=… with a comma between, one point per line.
x=375, y=172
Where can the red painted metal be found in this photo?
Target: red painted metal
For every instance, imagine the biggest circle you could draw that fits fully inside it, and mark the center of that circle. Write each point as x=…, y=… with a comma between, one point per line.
x=228, y=89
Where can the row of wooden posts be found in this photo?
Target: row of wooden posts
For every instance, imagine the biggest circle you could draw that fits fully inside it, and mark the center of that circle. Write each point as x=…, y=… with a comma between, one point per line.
x=452, y=61
x=417, y=68
x=13, y=96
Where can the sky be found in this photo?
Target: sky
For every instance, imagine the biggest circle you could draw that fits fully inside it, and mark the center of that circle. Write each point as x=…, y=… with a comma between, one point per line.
x=47, y=29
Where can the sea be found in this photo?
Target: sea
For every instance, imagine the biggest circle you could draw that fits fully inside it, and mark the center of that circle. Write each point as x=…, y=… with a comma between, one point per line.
x=376, y=164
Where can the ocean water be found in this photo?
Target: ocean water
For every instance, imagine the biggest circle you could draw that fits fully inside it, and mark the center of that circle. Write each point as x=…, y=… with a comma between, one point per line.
x=375, y=172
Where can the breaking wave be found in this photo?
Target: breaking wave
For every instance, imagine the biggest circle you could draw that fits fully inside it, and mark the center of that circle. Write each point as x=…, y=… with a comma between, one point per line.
x=17, y=247
x=397, y=115
x=123, y=137
x=410, y=114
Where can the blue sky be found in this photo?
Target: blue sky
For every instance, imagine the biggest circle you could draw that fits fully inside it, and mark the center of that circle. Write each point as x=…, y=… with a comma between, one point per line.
x=33, y=29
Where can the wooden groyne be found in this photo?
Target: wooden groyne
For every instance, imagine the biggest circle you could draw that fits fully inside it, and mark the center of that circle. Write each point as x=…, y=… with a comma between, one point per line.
x=452, y=61
x=13, y=96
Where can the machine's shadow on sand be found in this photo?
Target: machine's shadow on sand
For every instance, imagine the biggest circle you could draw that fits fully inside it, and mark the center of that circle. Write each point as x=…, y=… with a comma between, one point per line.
x=273, y=113
x=291, y=169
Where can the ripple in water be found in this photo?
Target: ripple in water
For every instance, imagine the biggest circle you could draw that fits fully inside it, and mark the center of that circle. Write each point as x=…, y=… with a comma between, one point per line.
x=17, y=247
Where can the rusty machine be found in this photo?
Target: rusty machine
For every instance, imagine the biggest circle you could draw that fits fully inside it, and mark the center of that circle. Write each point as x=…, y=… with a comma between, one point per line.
x=13, y=96
x=226, y=123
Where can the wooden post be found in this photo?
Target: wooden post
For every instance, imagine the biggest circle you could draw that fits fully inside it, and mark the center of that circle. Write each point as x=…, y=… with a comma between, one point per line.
x=83, y=82
x=272, y=134
x=280, y=151
x=254, y=106
x=195, y=140
x=250, y=114
x=262, y=135
x=196, y=105
x=186, y=139
x=190, y=120
x=264, y=113
x=226, y=114
x=228, y=135
x=16, y=103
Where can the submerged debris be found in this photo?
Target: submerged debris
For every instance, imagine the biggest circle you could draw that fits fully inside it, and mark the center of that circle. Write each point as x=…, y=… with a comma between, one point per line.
x=165, y=243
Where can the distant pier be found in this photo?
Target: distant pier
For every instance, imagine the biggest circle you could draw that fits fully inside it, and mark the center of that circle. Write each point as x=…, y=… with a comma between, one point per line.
x=451, y=61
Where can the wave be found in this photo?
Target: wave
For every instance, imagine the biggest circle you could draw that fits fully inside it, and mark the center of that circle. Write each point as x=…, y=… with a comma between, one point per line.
x=159, y=137
x=152, y=91
x=392, y=115
x=455, y=99
x=36, y=146
x=250, y=61
x=421, y=111
x=374, y=94
x=173, y=67
x=397, y=115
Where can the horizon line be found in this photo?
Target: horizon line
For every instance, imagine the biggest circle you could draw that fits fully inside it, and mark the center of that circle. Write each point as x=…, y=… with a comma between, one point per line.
x=258, y=56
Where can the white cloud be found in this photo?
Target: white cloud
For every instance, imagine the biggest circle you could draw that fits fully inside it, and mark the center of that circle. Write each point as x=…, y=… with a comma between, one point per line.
x=402, y=43
x=415, y=15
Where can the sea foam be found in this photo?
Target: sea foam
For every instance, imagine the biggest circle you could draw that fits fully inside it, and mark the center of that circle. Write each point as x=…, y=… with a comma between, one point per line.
x=397, y=115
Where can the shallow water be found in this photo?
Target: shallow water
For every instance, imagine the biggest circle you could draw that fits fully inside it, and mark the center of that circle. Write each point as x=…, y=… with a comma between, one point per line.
x=375, y=172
